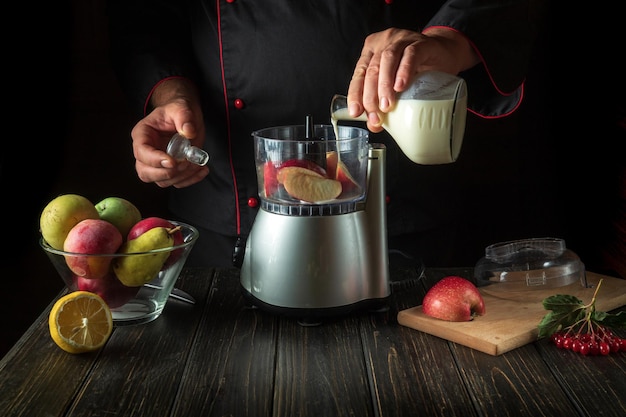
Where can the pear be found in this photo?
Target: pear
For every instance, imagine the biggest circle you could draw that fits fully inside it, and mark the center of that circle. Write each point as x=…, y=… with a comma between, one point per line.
x=136, y=270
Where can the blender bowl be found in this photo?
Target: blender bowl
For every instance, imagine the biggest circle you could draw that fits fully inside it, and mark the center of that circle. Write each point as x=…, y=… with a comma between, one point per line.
x=295, y=168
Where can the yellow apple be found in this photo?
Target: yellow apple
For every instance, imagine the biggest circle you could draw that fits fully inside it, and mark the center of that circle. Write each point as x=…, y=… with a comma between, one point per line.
x=61, y=214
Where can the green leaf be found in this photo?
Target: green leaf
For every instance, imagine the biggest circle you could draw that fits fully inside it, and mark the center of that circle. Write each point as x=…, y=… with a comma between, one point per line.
x=570, y=313
x=562, y=302
x=554, y=321
x=614, y=321
x=566, y=310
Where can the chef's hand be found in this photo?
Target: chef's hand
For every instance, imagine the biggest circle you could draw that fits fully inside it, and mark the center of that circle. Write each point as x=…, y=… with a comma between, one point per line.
x=391, y=59
x=176, y=109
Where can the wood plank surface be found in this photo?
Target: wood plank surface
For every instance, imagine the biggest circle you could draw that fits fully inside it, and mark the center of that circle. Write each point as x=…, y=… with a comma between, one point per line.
x=145, y=364
x=509, y=322
x=403, y=363
x=230, y=369
x=34, y=366
x=320, y=370
x=516, y=384
x=220, y=357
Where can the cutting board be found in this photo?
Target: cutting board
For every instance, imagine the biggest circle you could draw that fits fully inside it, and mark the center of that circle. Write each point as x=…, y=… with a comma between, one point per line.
x=512, y=319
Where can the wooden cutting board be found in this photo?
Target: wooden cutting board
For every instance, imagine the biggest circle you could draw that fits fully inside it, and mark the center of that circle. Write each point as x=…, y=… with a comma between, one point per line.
x=512, y=319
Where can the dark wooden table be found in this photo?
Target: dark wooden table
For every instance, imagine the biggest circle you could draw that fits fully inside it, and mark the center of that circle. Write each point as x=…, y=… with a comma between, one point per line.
x=221, y=358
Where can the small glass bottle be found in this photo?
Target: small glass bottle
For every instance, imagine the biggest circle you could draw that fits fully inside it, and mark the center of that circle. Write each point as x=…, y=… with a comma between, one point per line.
x=181, y=148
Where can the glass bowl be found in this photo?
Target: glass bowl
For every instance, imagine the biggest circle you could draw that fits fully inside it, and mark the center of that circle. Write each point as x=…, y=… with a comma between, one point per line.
x=129, y=305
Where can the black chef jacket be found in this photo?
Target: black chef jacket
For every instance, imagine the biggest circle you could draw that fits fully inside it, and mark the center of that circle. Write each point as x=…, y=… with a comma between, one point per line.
x=268, y=63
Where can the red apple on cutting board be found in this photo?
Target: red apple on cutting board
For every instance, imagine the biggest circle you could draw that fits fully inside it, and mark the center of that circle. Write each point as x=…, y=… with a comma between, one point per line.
x=453, y=298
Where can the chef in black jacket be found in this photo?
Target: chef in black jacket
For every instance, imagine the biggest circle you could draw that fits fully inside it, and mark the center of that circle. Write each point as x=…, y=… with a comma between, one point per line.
x=216, y=71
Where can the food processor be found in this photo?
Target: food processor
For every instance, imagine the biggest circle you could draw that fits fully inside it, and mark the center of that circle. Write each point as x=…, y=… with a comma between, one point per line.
x=318, y=246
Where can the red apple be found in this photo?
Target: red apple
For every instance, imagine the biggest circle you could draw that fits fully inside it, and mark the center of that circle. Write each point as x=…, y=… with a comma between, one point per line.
x=453, y=299
x=111, y=289
x=91, y=236
x=142, y=226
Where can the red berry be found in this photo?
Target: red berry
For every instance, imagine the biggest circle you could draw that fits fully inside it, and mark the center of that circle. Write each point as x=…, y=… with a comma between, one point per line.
x=567, y=342
x=585, y=349
x=604, y=348
x=615, y=345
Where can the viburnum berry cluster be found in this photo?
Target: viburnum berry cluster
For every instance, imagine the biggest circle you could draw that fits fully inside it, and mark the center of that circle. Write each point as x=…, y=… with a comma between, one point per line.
x=600, y=341
x=579, y=327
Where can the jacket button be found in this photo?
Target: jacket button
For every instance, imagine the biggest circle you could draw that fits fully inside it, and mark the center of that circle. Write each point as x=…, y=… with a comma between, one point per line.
x=239, y=104
x=253, y=202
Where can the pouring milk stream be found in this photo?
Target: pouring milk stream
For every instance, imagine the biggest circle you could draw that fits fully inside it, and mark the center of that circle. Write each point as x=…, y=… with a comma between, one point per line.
x=428, y=120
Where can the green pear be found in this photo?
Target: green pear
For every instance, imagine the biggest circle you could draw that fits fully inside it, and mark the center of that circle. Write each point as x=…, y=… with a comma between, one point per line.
x=61, y=214
x=136, y=270
x=120, y=212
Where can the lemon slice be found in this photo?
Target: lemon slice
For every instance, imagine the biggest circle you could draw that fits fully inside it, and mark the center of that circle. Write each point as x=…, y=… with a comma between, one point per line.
x=80, y=322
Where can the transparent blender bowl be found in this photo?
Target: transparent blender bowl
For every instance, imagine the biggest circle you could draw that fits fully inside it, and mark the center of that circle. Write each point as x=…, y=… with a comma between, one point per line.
x=293, y=169
x=529, y=264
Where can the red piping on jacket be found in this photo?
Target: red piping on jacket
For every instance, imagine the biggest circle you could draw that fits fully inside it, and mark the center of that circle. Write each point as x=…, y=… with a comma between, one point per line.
x=488, y=73
x=146, y=104
x=230, y=142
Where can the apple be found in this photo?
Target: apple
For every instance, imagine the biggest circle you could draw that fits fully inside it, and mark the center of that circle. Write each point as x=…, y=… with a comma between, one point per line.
x=148, y=223
x=270, y=172
x=61, y=214
x=270, y=183
x=304, y=163
x=307, y=185
x=91, y=236
x=453, y=298
x=112, y=291
x=284, y=172
x=332, y=159
x=337, y=170
x=348, y=184
x=119, y=211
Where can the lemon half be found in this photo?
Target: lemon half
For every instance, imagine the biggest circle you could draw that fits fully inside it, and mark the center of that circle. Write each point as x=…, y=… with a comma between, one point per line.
x=80, y=321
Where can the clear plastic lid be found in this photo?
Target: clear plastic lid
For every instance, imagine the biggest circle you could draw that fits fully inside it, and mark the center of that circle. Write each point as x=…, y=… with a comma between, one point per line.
x=529, y=264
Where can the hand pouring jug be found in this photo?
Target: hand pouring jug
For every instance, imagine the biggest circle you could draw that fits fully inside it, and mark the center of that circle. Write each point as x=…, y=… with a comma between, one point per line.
x=428, y=120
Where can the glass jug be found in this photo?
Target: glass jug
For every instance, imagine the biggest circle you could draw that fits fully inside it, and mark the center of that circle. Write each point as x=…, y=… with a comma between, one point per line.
x=428, y=120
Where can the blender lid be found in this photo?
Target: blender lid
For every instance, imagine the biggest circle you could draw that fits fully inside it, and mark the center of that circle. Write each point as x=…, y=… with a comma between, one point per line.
x=529, y=264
